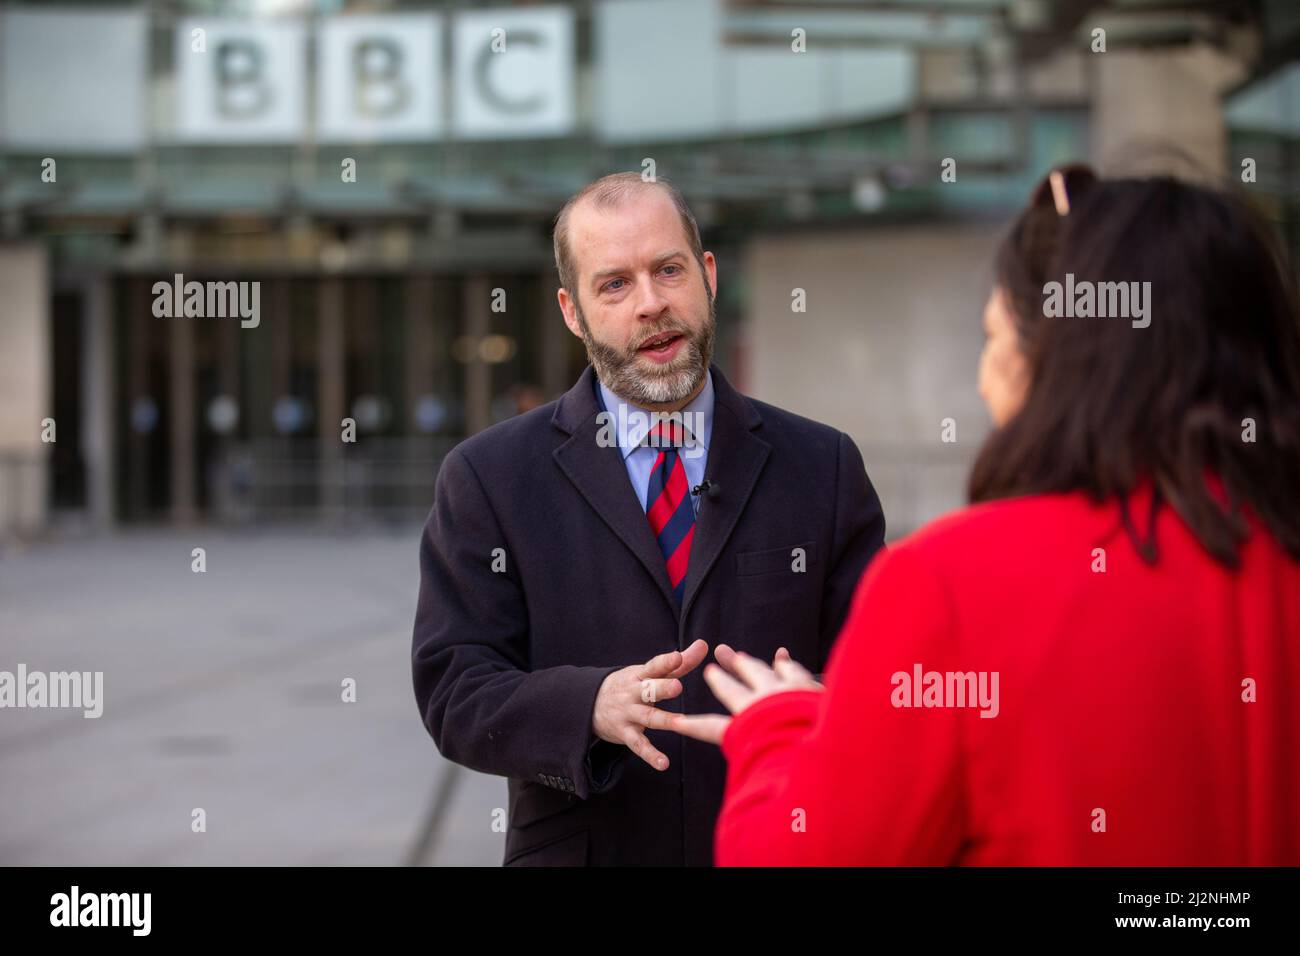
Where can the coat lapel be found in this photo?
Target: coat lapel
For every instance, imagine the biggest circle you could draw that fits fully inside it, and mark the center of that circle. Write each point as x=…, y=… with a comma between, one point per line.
x=600, y=476
x=736, y=458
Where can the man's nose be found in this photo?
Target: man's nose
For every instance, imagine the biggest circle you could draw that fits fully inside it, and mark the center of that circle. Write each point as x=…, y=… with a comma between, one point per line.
x=651, y=303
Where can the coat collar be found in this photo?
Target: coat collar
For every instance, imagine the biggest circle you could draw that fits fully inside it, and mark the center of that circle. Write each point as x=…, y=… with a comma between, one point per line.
x=736, y=457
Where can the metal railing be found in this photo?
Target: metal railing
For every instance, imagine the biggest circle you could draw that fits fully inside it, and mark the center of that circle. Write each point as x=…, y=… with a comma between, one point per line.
x=385, y=479
x=916, y=482
x=23, y=493
x=392, y=479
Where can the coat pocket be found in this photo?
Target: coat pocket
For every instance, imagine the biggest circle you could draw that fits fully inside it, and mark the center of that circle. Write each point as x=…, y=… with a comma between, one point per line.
x=775, y=560
x=569, y=849
x=536, y=802
x=779, y=593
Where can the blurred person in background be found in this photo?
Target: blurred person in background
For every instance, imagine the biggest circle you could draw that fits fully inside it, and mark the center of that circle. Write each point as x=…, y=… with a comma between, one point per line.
x=580, y=557
x=1097, y=662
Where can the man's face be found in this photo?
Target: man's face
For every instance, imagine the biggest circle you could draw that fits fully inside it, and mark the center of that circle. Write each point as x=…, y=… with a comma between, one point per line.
x=641, y=306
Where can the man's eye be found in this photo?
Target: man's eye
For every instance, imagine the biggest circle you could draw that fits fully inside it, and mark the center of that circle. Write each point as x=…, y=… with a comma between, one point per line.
x=675, y=269
x=609, y=286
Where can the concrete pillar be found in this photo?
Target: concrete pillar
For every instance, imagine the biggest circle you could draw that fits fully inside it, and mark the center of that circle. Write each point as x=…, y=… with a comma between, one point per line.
x=418, y=332
x=330, y=394
x=180, y=354
x=478, y=374
x=218, y=475
x=887, y=350
x=25, y=397
x=1146, y=101
x=139, y=482
x=365, y=339
x=228, y=371
x=278, y=368
x=99, y=402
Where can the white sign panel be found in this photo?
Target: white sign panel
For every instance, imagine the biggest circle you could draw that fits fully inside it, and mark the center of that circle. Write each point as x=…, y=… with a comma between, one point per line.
x=378, y=77
x=73, y=79
x=658, y=69
x=513, y=72
x=240, y=82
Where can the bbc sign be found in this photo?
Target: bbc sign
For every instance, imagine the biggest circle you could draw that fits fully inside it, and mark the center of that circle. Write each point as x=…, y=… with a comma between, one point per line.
x=377, y=77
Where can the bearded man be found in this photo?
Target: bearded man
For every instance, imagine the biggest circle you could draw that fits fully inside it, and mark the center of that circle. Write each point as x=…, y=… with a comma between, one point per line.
x=582, y=558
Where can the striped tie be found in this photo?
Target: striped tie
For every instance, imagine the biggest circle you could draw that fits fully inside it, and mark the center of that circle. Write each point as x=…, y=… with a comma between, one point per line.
x=668, y=502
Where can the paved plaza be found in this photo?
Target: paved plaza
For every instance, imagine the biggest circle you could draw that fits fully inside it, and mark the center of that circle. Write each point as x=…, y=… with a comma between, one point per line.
x=223, y=691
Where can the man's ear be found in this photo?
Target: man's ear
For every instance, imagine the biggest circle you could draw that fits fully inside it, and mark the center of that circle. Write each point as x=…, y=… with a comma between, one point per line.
x=569, y=309
x=711, y=273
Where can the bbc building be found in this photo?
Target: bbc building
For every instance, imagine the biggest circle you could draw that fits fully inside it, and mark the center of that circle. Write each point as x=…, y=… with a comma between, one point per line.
x=368, y=198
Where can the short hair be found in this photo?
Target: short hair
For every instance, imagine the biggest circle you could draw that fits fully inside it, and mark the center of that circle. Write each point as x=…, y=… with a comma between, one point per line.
x=610, y=191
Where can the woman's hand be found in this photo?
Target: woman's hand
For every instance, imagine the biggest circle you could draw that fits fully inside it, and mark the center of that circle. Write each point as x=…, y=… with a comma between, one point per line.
x=753, y=680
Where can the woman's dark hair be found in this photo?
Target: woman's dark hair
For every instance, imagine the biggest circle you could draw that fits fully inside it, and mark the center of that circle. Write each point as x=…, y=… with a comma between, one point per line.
x=1109, y=404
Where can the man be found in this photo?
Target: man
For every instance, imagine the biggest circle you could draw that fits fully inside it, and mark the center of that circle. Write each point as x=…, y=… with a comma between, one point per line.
x=580, y=558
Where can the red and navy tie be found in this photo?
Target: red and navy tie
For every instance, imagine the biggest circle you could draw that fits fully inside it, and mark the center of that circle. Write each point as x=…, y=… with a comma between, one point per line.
x=668, y=503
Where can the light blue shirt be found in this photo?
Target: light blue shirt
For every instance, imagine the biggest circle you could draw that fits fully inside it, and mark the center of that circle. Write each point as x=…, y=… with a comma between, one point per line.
x=697, y=416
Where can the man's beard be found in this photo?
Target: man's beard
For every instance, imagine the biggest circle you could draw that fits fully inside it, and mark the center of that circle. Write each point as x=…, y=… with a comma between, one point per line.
x=653, y=383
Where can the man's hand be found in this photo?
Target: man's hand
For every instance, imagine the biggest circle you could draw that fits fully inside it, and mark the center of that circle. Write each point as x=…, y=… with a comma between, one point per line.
x=625, y=703
x=756, y=681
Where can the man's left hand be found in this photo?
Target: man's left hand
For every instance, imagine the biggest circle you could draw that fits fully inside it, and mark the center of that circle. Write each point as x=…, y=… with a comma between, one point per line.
x=738, y=680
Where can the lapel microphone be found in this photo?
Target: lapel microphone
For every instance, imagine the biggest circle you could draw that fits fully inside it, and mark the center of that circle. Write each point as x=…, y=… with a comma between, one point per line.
x=710, y=489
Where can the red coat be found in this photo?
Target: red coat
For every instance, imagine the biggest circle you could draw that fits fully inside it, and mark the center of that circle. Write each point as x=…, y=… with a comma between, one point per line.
x=1122, y=735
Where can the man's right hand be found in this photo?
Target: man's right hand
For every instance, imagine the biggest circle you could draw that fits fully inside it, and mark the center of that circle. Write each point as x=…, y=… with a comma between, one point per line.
x=625, y=703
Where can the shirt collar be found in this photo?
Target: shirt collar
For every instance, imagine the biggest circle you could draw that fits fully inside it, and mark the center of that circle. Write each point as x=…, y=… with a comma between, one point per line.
x=698, y=416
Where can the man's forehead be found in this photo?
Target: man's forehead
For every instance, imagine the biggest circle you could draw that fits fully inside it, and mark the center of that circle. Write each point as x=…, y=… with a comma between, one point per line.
x=645, y=220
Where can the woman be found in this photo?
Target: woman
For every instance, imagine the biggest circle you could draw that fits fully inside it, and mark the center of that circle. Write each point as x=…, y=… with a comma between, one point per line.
x=1098, y=662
